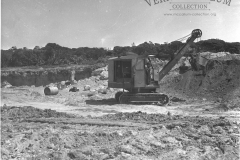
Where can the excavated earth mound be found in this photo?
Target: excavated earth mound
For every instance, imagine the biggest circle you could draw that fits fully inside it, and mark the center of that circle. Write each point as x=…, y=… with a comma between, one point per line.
x=222, y=81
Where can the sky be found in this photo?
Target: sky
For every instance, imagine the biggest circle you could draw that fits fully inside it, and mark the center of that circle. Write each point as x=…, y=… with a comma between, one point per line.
x=109, y=23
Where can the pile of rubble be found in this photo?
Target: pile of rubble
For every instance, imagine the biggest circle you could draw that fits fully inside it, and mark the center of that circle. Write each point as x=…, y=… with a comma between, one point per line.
x=221, y=81
x=13, y=112
x=100, y=74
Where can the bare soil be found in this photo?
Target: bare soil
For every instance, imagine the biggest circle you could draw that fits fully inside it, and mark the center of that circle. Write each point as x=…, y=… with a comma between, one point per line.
x=31, y=133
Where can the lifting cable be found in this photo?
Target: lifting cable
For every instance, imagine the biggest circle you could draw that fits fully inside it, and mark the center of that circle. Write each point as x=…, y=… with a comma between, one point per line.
x=183, y=38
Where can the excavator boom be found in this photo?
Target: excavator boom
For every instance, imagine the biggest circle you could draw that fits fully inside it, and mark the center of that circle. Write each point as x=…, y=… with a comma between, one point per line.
x=195, y=34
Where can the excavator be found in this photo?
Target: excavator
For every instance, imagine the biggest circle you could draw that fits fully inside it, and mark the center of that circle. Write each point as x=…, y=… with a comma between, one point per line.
x=138, y=78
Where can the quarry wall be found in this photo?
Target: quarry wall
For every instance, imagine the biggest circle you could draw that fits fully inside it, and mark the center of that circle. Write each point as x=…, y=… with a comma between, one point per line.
x=42, y=77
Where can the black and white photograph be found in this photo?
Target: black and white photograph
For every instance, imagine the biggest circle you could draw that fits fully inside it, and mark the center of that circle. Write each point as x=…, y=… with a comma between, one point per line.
x=120, y=80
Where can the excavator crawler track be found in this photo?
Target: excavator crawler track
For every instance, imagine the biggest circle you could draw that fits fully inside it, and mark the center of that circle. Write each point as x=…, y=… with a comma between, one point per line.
x=127, y=98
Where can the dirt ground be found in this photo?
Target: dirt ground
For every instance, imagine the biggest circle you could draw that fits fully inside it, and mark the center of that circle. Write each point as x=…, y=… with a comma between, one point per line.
x=31, y=133
x=92, y=125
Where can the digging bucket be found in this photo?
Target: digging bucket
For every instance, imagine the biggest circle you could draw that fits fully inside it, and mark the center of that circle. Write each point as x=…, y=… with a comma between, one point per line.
x=203, y=60
x=51, y=91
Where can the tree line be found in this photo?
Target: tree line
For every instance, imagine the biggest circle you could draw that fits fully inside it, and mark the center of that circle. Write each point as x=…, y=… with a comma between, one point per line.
x=54, y=54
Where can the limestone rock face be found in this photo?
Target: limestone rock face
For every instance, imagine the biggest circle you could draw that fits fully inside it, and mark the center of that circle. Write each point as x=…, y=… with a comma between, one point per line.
x=43, y=77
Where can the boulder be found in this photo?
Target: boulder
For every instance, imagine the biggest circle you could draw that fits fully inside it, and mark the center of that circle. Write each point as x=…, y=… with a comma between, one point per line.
x=103, y=91
x=87, y=88
x=104, y=75
x=74, y=89
x=111, y=89
x=97, y=78
x=98, y=71
x=101, y=87
x=92, y=90
x=5, y=84
x=67, y=83
x=90, y=94
x=61, y=85
x=73, y=82
x=62, y=82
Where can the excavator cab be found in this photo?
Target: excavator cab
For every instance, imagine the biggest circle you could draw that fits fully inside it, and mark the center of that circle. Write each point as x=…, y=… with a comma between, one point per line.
x=131, y=72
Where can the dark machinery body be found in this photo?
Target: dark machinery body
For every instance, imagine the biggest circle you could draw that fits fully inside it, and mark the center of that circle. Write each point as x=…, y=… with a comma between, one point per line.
x=138, y=78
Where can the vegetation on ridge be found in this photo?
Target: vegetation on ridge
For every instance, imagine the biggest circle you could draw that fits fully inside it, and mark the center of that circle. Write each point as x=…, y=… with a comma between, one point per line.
x=54, y=54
